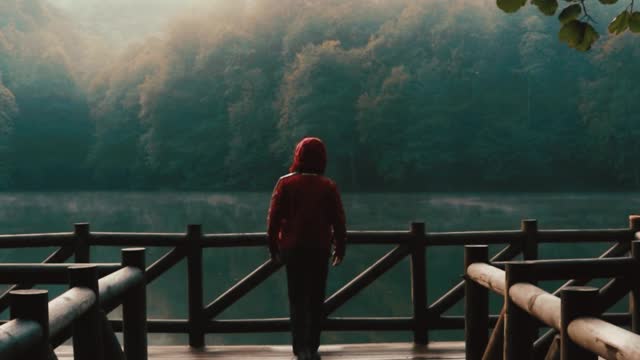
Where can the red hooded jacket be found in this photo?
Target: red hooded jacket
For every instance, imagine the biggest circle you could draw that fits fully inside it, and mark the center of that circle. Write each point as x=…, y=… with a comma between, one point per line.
x=306, y=210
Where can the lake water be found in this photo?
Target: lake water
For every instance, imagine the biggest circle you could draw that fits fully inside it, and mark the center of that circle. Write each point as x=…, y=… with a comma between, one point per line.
x=245, y=212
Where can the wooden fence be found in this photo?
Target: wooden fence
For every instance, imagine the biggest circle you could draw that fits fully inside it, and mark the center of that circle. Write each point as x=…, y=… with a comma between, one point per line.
x=578, y=328
x=202, y=317
x=39, y=325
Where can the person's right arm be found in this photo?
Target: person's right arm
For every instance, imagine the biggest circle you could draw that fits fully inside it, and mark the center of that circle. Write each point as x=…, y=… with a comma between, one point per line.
x=339, y=226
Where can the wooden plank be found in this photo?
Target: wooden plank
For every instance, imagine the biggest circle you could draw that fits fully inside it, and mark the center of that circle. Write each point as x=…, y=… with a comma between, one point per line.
x=378, y=351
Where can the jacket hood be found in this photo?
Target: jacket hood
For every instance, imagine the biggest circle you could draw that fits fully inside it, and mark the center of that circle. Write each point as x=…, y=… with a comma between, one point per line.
x=310, y=156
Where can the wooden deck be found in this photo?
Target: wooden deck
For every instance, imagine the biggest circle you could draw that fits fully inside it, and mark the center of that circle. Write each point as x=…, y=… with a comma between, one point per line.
x=389, y=351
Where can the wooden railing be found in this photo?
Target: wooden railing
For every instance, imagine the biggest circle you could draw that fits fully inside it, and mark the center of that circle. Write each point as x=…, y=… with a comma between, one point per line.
x=576, y=314
x=38, y=325
x=202, y=317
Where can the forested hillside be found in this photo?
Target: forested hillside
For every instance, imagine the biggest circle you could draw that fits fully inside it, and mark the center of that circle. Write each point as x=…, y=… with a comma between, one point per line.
x=409, y=95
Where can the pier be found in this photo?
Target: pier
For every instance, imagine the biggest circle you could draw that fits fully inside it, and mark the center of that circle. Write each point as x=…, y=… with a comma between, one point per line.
x=570, y=322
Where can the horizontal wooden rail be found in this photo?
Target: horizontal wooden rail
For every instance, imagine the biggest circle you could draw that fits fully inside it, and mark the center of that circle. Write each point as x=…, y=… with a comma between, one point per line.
x=585, y=235
x=181, y=326
x=45, y=273
x=453, y=322
x=17, y=337
x=353, y=237
x=447, y=322
x=578, y=268
x=66, y=308
x=114, y=285
x=606, y=340
x=473, y=237
x=136, y=239
x=331, y=324
x=537, y=302
x=36, y=240
x=488, y=276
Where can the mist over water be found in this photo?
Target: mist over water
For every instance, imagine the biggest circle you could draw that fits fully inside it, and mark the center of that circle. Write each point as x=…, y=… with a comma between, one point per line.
x=246, y=212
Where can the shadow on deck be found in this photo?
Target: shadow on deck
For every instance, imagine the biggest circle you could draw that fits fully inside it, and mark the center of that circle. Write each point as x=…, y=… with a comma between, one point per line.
x=388, y=351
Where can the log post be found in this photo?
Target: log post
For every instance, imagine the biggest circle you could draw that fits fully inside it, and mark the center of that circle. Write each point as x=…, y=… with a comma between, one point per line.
x=33, y=305
x=577, y=301
x=476, y=305
x=194, y=279
x=82, y=248
x=419, y=284
x=518, y=325
x=634, y=224
x=634, y=298
x=87, y=330
x=530, y=242
x=634, y=295
x=134, y=309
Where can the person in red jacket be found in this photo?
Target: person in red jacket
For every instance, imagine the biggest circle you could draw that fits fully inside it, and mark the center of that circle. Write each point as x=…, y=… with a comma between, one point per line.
x=306, y=222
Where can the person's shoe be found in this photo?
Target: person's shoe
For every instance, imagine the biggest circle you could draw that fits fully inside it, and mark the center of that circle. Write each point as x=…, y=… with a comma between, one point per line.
x=315, y=356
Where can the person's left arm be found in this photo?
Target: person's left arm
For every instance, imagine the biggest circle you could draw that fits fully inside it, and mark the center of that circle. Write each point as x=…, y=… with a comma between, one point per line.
x=274, y=219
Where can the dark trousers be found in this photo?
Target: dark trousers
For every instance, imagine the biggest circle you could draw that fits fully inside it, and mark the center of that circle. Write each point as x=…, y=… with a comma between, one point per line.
x=307, y=280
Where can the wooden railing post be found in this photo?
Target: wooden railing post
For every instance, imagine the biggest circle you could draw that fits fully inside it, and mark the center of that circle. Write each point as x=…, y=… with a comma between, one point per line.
x=634, y=294
x=634, y=223
x=419, y=284
x=518, y=325
x=530, y=243
x=87, y=330
x=576, y=301
x=33, y=305
x=194, y=272
x=634, y=297
x=134, y=309
x=476, y=305
x=82, y=248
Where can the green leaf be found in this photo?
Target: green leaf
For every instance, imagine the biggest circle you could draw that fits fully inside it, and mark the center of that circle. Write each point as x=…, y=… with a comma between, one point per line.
x=547, y=7
x=578, y=35
x=510, y=6
x=608, y=2
x=620, y=23
x=572, y=33
x=570, y=13
x=589, y=37
x=634, y=22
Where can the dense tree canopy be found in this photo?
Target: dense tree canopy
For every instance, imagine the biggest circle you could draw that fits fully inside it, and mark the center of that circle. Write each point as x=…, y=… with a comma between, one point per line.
x=408, y=95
